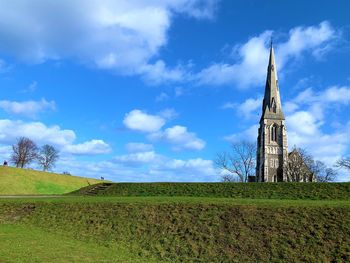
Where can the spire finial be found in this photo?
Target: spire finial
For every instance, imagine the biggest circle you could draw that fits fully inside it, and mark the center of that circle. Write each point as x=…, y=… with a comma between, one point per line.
x=271, y=41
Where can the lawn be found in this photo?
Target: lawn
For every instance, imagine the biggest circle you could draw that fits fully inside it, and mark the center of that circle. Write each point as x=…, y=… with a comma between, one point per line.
x=17, y=181
x=178, y=229
x=23, y=243
x=315, y=191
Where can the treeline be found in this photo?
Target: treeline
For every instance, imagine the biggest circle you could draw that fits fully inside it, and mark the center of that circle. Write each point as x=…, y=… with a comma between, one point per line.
x=25, y=152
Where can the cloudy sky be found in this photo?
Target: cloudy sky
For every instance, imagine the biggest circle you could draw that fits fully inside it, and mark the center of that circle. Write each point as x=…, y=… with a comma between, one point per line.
x=137, y=90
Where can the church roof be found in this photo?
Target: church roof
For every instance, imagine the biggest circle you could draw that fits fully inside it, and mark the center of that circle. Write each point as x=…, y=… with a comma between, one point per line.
x=272, y=107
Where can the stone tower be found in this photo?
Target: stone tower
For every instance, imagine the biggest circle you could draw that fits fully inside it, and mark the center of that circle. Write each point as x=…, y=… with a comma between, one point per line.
x=272, y=148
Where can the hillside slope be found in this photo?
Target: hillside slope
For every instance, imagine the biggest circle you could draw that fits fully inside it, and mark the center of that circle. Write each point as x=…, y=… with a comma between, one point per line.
x=183, y=229
x=313, y=191
x=16, y=181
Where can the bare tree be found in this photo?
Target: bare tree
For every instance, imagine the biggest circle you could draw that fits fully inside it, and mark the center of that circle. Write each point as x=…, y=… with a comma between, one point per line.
x=24, y=152
x=47, y=157
x=323, y=173
x=298, y=166
x=302, y=167
x=229, y=178
x=344, y=163
x=239, y=162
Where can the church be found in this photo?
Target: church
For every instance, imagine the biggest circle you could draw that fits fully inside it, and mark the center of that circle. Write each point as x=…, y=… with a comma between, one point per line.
x=272, y=158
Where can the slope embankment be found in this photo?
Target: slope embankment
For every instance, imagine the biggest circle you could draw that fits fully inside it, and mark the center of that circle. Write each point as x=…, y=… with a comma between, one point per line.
x=185, y=229
x=311, y=191
x=16, y=181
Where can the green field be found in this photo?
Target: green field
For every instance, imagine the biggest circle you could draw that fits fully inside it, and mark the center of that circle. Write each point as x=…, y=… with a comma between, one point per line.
x=16, y=181
x=174, y=229
x=314, y=191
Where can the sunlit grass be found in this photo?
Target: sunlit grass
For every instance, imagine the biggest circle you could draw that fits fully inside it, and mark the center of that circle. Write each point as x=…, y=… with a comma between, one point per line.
x=16, y=181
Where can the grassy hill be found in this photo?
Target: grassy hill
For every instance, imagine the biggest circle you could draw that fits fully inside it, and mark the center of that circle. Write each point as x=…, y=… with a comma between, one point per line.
x=175, y=229
x=179, y=222
x=16, y=181
x=314, y=191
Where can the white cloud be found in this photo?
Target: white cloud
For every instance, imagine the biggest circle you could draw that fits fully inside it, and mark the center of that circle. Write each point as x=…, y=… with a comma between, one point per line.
x=5, y=153
x=229, y=105
x=122, y=36
x=143, y=167
x=27, y=108
x=168, y=114
x=157, y=167
x=135, y=147
x=307, y=119
x=195, y=166
x=138, y=158
x=42, y=134
x=37, y=131
x=250, y=66
x=249, y=134
x=140, y=121
x=92, y=147
x=247, y=108
x=337, y=94
x=158, y=72
x=304, y=123
x=179, y=137
x=318, y=102
x=313, y=38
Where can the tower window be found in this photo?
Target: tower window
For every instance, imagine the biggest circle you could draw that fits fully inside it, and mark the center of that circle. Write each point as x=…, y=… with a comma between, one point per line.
x=273, y=105
x=274, y=133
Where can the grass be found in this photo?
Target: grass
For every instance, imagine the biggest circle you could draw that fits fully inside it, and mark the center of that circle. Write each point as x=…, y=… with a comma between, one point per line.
x=181, y=222
x=16, y=181
x=190, y=229
x=177, y=200
x=314, y=191
x=21, y=244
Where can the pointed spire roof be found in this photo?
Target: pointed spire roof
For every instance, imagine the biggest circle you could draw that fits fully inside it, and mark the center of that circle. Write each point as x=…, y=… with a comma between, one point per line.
x=272, y=107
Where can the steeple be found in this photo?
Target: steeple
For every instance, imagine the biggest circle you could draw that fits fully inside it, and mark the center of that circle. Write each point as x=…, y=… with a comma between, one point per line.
x=272, y=146
x=272, y=107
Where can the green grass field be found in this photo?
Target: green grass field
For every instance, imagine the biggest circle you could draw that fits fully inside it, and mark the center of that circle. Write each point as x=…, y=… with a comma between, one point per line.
x=314, y=191
x=28, y=244
x=16, y=181
x=174, y=229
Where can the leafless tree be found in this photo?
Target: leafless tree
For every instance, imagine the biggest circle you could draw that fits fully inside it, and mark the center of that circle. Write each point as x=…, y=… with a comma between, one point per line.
x=24, y=152
x=301, y=166
x=344, y=163
x=298, y=166
x=47, y=157
x=323, y=173
x=239, y=162
x=229, y=178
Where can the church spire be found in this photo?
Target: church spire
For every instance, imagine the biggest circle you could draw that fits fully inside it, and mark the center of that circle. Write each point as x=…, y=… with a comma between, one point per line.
x=272, y=145
x=272, y=107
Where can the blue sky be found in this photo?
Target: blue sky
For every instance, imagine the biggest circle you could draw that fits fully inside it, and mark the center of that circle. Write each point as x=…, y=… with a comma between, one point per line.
x=152, y=90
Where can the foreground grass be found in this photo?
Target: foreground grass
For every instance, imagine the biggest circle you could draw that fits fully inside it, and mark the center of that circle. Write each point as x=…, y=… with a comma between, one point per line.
x=192, y=229
x=16, y=181
x=30, y=244
x=315, y=191
x=147, y=200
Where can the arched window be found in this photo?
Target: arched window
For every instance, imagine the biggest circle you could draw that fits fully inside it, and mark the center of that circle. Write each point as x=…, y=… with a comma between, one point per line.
x=274, y=133
x=273, y=105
